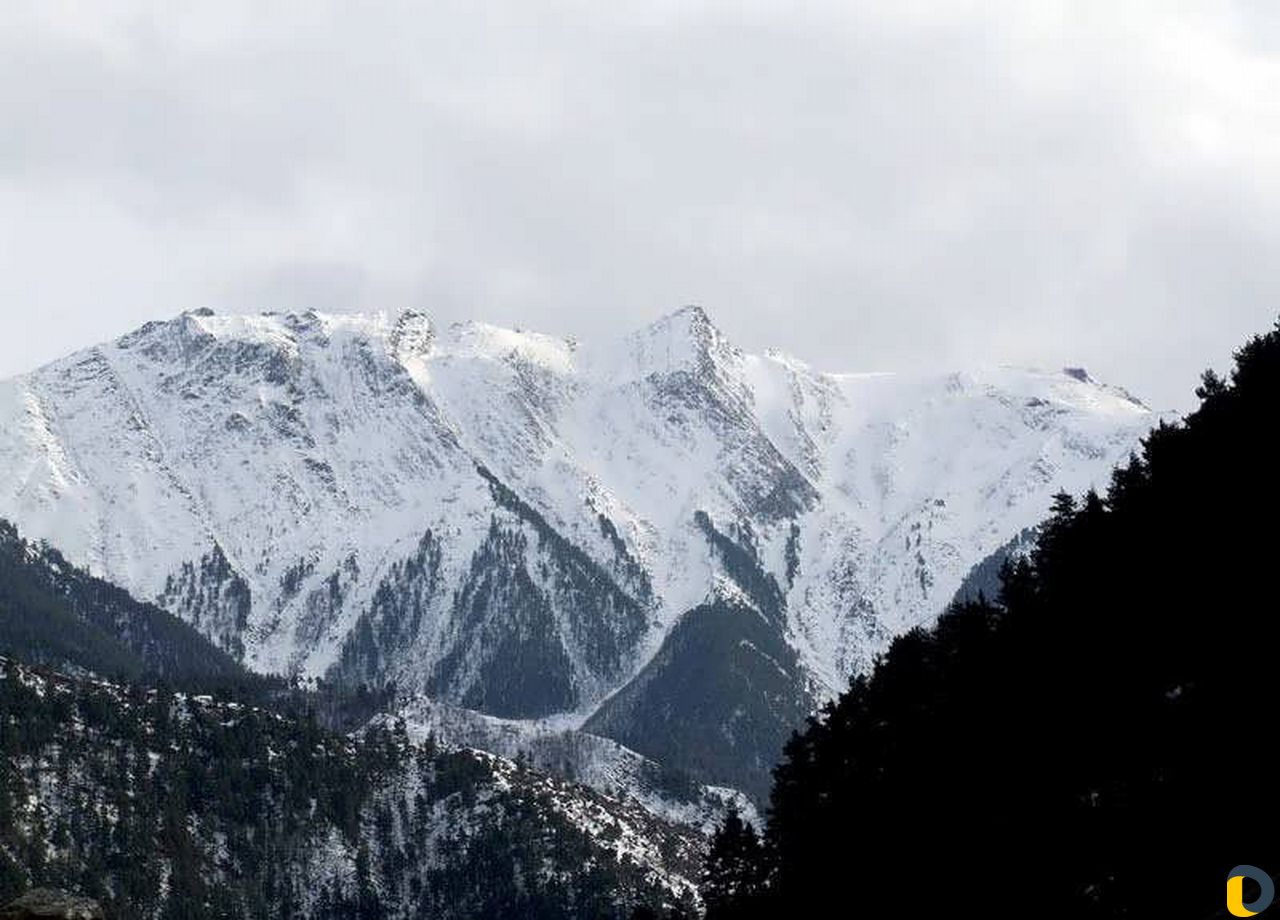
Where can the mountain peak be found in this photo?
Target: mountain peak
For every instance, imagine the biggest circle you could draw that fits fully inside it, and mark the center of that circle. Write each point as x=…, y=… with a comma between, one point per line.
x=685, y=340
x=690, y=319
x=693, y=312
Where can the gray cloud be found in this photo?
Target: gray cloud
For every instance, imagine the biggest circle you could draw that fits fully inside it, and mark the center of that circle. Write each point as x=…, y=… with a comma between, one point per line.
x=865, y=185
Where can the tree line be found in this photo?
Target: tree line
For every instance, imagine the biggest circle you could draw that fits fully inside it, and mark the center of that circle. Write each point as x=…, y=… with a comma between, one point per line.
x=1091, y=742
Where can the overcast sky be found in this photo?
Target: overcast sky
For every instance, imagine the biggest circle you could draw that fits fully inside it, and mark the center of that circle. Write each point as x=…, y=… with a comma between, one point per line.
x=866, y=185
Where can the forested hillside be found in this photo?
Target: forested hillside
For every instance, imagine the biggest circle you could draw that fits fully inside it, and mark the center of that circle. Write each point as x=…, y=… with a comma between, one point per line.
x=54, y=613
x=180, y=807
x=1090, y=744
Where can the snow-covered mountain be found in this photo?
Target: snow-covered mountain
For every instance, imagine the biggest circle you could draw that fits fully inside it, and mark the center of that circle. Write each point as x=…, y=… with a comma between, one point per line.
x=660, y=536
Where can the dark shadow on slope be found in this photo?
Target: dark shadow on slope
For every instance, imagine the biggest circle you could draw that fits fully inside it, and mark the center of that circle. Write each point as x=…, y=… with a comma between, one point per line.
x=718, y=700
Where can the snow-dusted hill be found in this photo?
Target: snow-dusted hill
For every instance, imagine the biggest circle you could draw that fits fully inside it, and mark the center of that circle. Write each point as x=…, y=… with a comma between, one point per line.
x=524, y=525
x=287, y=820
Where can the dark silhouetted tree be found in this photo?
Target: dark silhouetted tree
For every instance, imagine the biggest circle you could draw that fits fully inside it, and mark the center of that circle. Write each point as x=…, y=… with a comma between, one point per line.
x=1090, y=744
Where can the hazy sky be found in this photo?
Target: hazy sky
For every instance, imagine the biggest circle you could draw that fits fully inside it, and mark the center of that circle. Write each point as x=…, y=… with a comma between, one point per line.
x=867, y=185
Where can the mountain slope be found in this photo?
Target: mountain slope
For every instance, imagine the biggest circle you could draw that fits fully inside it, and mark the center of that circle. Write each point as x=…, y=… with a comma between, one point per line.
x=718, y=700
x=578, y=756
x=58, y=615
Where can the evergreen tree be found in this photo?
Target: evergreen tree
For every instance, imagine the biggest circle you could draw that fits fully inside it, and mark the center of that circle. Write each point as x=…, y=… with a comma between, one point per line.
x=735, y=872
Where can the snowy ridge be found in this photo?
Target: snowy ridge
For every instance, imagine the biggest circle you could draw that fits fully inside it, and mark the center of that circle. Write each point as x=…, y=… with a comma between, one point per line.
x=590, y=760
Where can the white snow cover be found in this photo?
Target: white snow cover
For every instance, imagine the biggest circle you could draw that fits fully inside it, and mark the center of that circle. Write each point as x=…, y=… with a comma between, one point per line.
x=327, y=445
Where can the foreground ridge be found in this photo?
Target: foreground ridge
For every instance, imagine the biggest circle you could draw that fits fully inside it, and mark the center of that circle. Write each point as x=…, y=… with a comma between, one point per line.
x=167, y=804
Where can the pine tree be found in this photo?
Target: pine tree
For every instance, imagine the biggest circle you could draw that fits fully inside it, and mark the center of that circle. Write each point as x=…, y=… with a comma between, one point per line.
x=734, y=876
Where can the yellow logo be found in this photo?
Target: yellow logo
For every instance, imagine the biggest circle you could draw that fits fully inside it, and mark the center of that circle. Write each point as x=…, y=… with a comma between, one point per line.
x=1235, y=891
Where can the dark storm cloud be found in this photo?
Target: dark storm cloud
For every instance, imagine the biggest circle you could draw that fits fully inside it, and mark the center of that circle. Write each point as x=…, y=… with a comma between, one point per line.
x=865, y=185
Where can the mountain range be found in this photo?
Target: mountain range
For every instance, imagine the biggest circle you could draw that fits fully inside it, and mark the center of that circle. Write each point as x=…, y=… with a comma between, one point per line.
x=660, y=541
